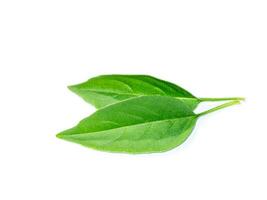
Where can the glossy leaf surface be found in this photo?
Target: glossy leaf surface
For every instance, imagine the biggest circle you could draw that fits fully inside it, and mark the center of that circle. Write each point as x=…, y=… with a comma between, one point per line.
x=139, y=125
x=109, y=89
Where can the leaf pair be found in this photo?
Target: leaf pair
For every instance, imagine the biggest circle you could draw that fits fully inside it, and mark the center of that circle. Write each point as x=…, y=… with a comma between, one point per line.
x=139, y=114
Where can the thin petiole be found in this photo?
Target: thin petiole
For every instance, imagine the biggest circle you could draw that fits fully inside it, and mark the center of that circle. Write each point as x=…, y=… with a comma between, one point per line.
x=219, y=107
x=222, y=99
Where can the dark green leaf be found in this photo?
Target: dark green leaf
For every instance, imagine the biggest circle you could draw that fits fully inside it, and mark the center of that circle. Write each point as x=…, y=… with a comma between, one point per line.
x=138, y=125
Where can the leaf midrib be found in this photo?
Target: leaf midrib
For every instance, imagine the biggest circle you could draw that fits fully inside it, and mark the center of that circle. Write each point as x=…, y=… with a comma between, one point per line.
x=136, y=94
x=156, y=121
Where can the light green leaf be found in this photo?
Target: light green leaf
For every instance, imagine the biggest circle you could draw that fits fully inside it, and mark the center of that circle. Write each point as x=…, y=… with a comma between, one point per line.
x=109, y=89
x=139, y=125
x=104, y=90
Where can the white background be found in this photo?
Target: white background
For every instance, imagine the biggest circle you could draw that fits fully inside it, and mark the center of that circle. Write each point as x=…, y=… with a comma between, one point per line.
x=211, y=48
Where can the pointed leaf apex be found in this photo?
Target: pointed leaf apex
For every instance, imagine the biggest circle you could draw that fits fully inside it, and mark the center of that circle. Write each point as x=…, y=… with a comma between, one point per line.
x=60, y=135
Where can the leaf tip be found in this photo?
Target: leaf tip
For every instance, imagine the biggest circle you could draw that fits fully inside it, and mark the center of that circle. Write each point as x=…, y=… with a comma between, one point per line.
x=60, y=135
x=71, y=87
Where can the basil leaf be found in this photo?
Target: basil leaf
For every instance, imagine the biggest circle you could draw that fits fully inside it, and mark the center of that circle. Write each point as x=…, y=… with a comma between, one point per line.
x=139, y=125
x=109, y=89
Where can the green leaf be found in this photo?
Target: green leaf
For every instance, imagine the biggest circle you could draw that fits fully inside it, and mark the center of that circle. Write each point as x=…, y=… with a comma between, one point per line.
x=104, y=90
x=109, y=89
x=139, y=125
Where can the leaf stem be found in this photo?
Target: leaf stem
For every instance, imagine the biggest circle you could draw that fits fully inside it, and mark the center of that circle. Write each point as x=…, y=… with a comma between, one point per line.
x=222, y=99
x=231, y=103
